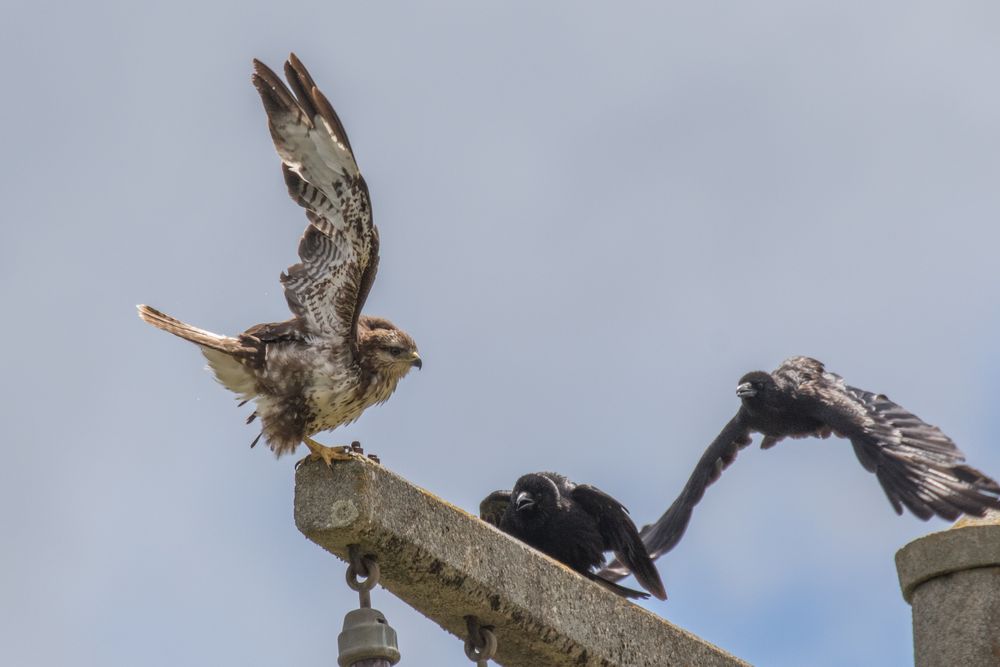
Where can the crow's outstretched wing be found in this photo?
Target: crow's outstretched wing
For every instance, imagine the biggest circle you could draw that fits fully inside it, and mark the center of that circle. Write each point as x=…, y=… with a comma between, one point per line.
x=664, y=534
x=620, y=536
x=339, y=249
x=917, y=465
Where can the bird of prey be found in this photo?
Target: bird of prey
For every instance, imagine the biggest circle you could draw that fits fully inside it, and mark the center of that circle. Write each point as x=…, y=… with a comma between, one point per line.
x=575, y=524
x=328, y=363
x=918, y=466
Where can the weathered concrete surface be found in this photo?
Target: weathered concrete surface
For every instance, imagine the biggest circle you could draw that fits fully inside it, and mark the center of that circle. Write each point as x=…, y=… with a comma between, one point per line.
x=952, y=581
x=447, y=564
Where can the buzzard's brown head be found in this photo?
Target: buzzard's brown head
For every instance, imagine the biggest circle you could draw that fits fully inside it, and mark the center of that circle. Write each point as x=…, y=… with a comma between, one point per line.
x=386, y=348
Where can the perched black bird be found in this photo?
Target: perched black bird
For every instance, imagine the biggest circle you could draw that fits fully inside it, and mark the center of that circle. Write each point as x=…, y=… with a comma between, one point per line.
x=575, y=524
x=918, y=466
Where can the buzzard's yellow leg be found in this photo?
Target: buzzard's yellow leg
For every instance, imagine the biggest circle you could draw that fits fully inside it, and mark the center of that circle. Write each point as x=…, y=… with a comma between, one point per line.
x=327, y=454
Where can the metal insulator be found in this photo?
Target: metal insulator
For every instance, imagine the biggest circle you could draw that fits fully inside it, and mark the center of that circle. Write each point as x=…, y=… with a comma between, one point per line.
x=367, y=638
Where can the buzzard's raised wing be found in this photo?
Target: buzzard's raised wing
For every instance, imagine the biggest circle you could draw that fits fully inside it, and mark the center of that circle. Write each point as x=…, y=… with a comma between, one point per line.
x=339, y=249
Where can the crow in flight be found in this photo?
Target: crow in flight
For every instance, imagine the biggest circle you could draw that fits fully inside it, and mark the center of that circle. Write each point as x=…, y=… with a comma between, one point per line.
x=575, y=524
x=918, y=466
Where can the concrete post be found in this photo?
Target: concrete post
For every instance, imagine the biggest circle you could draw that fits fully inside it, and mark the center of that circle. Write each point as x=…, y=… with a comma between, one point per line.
x=447, y=564
x=952, y=581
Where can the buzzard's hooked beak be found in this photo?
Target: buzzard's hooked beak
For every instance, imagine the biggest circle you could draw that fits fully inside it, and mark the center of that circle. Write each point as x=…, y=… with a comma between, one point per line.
x=523, y=501
x=745, y=389
x=417, y=361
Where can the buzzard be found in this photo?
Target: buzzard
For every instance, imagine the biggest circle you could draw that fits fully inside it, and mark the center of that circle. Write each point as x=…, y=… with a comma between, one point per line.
x=918, y=466
x=328, y=363
x=575, y=524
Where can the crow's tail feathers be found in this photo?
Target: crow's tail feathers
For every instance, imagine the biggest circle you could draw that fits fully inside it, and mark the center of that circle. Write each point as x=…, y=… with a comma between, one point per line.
x=617, y=589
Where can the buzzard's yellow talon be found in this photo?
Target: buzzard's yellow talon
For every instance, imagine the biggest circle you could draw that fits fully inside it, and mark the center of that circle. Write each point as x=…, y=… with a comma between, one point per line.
x=327, y=454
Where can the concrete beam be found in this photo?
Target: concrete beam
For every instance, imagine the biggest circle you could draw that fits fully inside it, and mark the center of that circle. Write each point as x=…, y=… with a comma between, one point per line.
x=447, y=564
x=952, y=581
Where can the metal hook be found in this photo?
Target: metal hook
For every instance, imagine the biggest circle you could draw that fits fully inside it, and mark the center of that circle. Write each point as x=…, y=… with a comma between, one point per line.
x=481, y=644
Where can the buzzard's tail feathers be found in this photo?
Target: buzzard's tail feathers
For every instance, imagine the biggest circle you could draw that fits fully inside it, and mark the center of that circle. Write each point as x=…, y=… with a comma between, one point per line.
x=188, y=332
x=226, y=356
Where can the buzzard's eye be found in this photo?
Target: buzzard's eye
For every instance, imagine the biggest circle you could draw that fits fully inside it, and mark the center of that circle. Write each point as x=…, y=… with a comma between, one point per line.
x=395, y=351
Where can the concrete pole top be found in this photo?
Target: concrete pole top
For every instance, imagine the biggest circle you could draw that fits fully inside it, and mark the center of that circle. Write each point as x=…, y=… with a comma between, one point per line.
x=970, y=543
x=448, y=564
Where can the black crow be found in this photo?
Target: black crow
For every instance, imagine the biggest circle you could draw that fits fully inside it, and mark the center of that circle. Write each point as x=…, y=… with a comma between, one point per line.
x=918, y=466
x=575, y=524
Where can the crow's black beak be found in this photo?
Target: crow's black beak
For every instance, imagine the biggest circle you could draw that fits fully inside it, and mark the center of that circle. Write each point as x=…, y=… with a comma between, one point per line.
x=523, y=501
x=745, y=389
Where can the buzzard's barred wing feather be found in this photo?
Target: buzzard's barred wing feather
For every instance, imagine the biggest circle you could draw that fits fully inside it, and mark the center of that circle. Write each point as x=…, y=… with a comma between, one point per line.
x=339, y=249
x=303, y=137
x=313, y=100
x=664, y=534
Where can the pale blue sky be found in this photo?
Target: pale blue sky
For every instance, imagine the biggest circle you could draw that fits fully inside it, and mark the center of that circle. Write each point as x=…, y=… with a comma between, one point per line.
x=594, y=220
